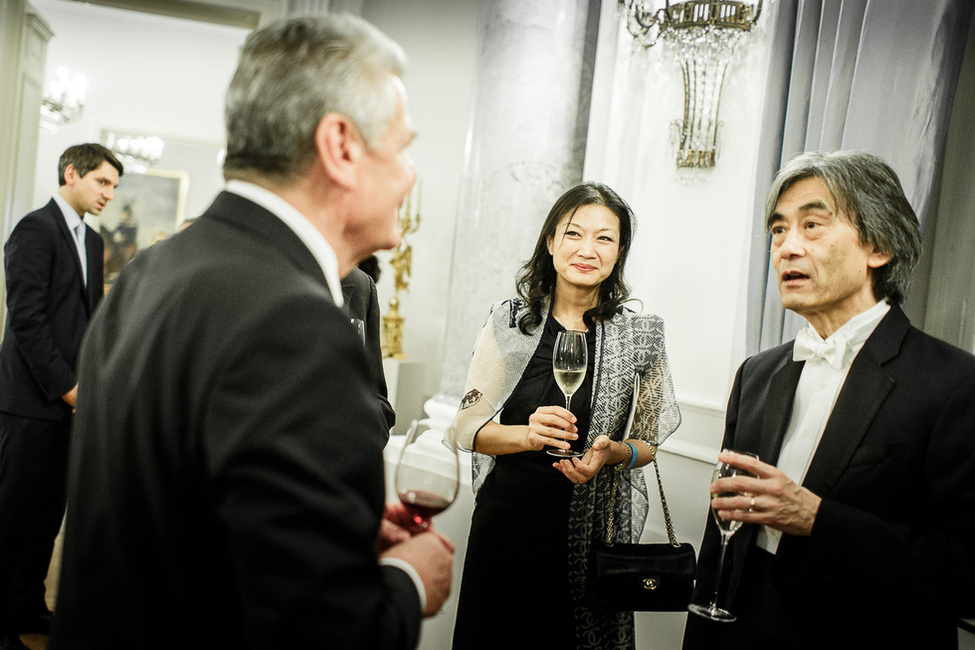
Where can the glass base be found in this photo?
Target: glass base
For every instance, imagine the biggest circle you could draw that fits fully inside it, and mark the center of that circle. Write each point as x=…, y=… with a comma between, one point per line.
x=713, y=613
x=563, y=453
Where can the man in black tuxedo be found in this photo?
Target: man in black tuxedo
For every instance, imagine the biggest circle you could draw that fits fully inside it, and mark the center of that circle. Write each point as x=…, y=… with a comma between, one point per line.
x=226, y=482
x=53, y=264
x=860, y=520
x=359, y=293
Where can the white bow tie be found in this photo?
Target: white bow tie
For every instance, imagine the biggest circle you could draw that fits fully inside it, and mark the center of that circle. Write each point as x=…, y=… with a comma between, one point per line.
x=837, y=351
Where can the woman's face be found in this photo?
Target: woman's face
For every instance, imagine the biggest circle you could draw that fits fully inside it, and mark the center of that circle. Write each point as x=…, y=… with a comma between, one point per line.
x=585, y=247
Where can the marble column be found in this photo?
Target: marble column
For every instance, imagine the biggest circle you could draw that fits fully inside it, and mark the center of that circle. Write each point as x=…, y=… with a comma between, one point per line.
x=525, y=147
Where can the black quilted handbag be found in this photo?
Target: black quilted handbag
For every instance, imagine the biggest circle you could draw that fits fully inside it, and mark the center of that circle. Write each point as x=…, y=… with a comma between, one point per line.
x=641, y=577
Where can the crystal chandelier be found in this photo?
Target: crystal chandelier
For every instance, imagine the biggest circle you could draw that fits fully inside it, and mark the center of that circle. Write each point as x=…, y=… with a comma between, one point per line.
x=64, y=100
x=703, y=35
x=138, y=152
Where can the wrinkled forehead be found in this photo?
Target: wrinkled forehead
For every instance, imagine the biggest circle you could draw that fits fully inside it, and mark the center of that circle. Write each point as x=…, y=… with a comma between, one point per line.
x=822, y=194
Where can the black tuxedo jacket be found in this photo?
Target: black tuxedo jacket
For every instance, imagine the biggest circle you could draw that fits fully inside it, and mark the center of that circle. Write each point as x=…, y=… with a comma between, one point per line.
x=362, y=301
x=226, y=482
x=48, y=308
x=891, y=558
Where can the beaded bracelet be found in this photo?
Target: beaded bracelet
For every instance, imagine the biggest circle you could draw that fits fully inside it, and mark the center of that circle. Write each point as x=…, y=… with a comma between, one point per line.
x=630, y=459
x=629, y=454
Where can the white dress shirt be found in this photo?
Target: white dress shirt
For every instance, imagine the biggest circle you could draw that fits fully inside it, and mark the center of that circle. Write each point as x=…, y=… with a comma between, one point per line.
x=816, y=394
x=299, y=224
x=73, y=220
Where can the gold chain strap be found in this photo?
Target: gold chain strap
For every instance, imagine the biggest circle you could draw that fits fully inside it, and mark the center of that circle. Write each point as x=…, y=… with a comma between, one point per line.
x=671, y=535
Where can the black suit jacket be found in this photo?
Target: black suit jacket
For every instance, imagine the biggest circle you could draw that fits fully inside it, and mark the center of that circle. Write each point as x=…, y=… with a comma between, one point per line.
x=48, y=308
x=891, y=558
x=362, y=301
x=226, y=482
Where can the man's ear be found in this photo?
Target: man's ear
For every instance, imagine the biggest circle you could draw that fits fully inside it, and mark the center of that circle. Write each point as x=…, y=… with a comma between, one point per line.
x=876, y=259
x=70, y=175
x=340, y=148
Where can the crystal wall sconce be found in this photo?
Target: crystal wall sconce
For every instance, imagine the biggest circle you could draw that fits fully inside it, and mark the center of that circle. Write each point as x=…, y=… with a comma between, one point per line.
x=703, y=35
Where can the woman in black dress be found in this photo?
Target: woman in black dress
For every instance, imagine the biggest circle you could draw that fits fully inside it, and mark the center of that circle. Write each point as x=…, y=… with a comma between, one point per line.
x=524, y=574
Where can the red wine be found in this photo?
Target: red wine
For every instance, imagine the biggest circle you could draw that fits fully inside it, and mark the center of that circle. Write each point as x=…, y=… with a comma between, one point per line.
x=423, y=505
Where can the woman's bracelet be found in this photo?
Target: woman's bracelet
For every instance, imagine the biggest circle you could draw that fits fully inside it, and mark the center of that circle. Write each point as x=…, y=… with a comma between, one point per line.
x=630, y=458
x=632, y=455
x=653, y=450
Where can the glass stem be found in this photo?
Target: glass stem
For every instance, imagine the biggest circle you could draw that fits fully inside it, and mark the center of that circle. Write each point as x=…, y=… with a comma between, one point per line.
x=568, y=400
x=717, y=583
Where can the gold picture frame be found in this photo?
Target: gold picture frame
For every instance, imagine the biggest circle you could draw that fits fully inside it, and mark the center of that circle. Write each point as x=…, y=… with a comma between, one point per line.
x=147, y=208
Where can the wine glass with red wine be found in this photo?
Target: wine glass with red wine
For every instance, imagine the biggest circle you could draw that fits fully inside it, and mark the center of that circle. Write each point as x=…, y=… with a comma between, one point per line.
x=428, y=473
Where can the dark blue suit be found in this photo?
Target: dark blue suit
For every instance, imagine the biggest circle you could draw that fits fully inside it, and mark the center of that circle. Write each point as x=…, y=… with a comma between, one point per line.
x=48, y=309
x=891, y=559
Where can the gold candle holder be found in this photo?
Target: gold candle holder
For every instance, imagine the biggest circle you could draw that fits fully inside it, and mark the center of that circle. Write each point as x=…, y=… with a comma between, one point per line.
x=407, y=223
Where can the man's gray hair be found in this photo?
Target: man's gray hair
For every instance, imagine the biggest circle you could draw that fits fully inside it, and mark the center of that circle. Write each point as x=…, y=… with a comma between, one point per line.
x=869, y=193
x=294, y=72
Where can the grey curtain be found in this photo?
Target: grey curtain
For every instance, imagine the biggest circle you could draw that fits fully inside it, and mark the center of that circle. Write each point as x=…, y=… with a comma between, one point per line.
x=308, y=7
x=869, y=75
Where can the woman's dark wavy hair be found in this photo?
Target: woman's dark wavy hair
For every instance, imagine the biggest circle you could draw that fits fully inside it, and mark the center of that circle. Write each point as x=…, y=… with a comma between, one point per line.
x=536, y=279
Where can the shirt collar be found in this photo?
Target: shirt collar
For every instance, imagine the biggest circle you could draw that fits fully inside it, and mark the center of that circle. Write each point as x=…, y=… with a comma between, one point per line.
x=70, y=214
x=317, y=245
x=859, y=328
x=842, y=346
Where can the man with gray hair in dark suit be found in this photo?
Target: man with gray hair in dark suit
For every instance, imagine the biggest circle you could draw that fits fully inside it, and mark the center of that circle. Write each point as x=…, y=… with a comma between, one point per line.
x=227, y=478
x=860, y=515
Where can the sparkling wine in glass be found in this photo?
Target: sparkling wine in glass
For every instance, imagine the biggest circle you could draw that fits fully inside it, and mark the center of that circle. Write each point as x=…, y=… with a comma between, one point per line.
x=569, y=362
x=727, y=529
x=428, y=473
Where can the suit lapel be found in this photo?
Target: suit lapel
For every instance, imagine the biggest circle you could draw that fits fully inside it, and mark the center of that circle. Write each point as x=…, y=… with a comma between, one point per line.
x=775, y=416
x=864, y=392
x=778, y=410
x=348, y=292
x=69, y=241
x=96, y=277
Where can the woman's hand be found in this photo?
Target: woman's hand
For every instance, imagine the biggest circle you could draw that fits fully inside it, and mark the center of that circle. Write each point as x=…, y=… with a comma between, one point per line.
x=551, y=426
x=580, y=470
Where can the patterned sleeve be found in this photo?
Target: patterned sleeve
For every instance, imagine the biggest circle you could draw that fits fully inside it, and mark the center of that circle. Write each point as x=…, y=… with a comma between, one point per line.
x=657, y=412
x=482, y=390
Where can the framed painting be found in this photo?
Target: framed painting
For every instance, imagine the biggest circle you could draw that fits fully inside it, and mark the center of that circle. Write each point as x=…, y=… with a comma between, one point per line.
x=147, y=208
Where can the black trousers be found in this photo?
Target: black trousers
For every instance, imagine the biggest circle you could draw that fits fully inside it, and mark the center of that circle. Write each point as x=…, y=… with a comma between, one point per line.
x=33, y=476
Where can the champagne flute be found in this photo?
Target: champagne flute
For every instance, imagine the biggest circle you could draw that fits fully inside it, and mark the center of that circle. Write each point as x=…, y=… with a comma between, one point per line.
x=727, y=529
x=569, y=362
x=427, y=474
